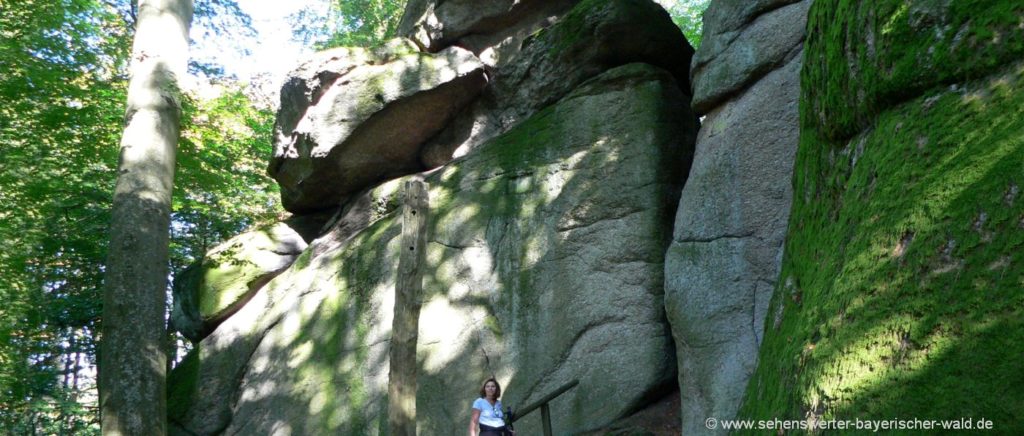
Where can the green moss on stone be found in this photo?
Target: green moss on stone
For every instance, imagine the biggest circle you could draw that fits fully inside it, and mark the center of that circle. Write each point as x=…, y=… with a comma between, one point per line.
x=492, y=324
x=182, y=385
x=900, y=293
x=224, y=285
x=571, y=29
x=862, y=57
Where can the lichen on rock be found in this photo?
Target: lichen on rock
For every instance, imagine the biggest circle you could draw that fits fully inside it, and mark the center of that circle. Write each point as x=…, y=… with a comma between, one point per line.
x=591, y=38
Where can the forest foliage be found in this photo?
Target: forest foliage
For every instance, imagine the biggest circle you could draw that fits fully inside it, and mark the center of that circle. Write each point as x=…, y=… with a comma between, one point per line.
x=63, y=76
x=62, y=84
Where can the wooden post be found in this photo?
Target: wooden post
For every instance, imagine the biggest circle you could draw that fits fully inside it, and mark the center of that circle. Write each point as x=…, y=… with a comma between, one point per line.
x=405, y=325
x=545, y=418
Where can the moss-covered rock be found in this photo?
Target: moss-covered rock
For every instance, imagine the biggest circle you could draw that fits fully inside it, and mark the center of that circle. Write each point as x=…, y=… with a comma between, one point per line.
x=900, y=294
x=863, y=57
x=208, y=292
x=545, y=264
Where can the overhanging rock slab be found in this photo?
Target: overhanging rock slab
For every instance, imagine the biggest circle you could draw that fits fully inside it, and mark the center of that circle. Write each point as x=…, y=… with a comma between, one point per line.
x=351, y=118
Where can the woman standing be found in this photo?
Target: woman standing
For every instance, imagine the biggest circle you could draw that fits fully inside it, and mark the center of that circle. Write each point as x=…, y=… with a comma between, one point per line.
x=487, y=414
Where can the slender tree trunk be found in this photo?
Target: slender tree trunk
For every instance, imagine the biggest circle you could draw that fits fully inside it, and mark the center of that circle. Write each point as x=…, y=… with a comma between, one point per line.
x=132, y=357
x=405, y=325
x=68, y=365
x=74, y=376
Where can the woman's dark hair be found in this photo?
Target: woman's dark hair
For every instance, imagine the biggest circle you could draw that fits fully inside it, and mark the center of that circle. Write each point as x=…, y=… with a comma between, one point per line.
x=497, y=392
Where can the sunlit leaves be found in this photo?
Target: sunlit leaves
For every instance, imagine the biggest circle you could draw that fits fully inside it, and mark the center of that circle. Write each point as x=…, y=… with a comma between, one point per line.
x=221, y=186
x=350, y=23
x=688, y=15
x=62, y=94
x=59, y=117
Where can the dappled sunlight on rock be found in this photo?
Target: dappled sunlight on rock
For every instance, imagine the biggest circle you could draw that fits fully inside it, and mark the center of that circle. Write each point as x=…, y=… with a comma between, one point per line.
x=444, y=329
x=506, y=294
x=481, y=264
x=300, y=354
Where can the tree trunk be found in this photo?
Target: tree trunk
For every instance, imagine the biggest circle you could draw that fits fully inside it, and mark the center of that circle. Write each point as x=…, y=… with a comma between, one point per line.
x=132, y=358
x=405, y=325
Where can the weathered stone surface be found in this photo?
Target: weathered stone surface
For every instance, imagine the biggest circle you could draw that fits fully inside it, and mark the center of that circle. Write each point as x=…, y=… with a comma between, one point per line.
x=351, y=118
x=727, y=246
x=492, y=29
x=722, y=266
x=593, y=37
x=211, y=290
x=659, y=418
x=203, y=386
x=724, y=16
x=729, y=61
x=547, y=248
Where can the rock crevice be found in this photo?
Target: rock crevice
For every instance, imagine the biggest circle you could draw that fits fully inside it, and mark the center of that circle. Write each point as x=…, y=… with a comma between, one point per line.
x=732, y=216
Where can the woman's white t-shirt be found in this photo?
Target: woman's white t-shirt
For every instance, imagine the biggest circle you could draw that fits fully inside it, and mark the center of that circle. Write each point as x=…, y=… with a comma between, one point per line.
x=491, y=416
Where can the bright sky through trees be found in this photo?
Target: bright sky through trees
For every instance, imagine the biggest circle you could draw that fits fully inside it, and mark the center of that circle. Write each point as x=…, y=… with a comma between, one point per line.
x=271, y=52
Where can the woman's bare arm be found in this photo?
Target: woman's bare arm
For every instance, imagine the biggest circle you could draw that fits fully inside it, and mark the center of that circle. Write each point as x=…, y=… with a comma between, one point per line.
x=474, y=422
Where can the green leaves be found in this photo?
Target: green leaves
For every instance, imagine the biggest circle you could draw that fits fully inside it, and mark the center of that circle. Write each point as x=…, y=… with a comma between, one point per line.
x=350, y=23
x=59, y=121
x=221, y=186
x=688, y=15
x=62, y=93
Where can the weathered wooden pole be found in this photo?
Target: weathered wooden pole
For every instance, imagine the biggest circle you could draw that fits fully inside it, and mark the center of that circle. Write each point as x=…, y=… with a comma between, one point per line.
x=405, y=325
x=545, y=419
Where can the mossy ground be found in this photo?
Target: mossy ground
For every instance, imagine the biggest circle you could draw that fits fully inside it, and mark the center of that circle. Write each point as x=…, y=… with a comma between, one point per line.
x=902, y=288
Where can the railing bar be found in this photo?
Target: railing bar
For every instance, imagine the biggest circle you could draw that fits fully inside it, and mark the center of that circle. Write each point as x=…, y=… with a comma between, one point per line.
x=533, y=406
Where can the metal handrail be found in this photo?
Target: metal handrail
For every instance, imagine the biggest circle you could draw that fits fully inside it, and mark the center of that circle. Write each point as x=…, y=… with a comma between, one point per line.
x=545, y=410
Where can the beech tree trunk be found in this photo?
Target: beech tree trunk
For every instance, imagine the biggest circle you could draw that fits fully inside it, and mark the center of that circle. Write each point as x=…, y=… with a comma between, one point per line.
x=405, y=325
x=132, y=377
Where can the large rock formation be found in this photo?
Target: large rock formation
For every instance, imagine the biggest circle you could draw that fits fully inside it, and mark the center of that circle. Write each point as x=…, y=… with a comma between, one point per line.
x=546, y=247
x=901, y=283
x=561, y=247
x=732, y=58
x=492, y=29
x=724, y=260
x=351, y=118
x=203, y=387
x=593, y=37
x=547, y=237
x=214, y=288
